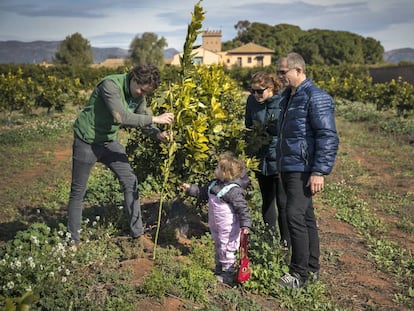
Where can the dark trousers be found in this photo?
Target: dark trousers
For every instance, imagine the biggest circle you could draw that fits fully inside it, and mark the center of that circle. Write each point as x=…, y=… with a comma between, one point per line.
x=273, y=195
x=111, y=154
x=302, y=224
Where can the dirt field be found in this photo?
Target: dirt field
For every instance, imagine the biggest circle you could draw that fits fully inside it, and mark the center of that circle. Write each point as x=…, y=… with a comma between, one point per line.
x=351, y=277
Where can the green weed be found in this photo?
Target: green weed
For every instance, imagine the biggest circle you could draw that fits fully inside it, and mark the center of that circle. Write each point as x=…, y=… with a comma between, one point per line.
x=34, y=130
x=406, y=225
x=233, y=300
x=103, y=188
x=182, y=278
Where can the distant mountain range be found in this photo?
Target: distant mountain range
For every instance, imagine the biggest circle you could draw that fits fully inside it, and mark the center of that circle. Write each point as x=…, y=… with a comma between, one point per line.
x=399, y=55
x=17, y=52
x=36, y=52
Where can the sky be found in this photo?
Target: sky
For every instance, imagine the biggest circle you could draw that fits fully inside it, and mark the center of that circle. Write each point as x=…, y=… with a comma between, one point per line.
x=115, y=23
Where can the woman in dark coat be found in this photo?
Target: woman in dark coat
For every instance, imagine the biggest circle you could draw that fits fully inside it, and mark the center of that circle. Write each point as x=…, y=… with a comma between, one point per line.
x=262, y=115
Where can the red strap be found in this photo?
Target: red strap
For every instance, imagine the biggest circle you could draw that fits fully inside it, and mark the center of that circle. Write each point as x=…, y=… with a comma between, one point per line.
x=244, y=242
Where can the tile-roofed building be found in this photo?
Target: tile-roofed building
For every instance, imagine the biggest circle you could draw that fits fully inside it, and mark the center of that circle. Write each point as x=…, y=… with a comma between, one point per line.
x=248, y=55
x=200, y=56
x=250, y=48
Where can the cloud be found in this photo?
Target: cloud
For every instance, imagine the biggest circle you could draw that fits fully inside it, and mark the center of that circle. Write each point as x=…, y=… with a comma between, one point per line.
x=116, y=23
x=50, y=9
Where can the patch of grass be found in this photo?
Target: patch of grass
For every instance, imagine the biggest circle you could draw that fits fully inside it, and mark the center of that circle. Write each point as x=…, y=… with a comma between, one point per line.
x=406, y=225
x=399, y=205
x=103, y=188
x=183, y=278
x=331, y=255
x=149, y=186
x=232, y=300
x=49, y=190
x=35, y=130
x=384, y=121
x=388, y=201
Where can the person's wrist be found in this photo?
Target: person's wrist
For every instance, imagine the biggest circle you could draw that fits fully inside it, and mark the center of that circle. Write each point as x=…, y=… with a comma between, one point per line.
x=317, y=174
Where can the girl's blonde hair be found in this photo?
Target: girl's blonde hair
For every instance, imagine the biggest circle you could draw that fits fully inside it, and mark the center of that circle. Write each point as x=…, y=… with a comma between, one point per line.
x=229, y=167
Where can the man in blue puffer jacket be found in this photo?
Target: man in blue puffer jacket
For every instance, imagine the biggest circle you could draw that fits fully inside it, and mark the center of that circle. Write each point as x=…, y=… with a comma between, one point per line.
x=307, y=148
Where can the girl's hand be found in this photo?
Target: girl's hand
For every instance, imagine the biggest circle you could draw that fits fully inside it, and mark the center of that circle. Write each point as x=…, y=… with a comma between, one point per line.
x=185, y=187
x=245, y=231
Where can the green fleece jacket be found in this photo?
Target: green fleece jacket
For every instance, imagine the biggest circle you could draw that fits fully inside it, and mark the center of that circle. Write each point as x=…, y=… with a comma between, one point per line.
x=110, y=106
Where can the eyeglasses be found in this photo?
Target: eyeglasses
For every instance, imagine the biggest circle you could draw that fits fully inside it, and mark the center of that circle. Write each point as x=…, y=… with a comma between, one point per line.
x=258, y=91
x=283, y=72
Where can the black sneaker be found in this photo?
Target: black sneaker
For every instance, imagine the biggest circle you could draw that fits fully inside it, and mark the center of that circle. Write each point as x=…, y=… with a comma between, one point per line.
x=292, y=280
x=226, y=276
x=218, y=269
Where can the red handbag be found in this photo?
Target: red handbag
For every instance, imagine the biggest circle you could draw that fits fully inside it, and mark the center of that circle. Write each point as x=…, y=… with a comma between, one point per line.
x=243, y=273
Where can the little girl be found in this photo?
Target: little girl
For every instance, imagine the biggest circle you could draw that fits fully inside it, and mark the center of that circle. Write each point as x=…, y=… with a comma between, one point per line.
x=228, y=213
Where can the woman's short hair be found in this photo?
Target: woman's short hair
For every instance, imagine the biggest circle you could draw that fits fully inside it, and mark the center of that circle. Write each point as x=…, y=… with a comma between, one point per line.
x=266, y=79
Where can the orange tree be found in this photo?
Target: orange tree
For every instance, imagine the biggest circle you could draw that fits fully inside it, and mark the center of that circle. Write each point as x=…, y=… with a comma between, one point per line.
x=397, y=95
x=16, y=93
x=208, y=107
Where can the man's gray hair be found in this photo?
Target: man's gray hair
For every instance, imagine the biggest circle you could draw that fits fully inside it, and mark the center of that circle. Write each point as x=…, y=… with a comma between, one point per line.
x=295, y=60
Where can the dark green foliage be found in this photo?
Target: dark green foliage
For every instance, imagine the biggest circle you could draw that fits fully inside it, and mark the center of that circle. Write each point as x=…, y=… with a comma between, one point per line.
x=170, y=74
x=74, y=51
x=373, y=51
x=279, y=38
x=87, y=76
x=25, y=87
x=16, y=94
x=244, y=75
x=285, y=36
x=396, y=95
x=57, y=86
x=339, y=72
x=318, y=46
x=147, y=49
x=330, y=47
x=104, y=189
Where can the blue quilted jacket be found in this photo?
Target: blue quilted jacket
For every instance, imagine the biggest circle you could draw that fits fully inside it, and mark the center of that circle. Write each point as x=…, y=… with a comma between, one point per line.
x=308, y=137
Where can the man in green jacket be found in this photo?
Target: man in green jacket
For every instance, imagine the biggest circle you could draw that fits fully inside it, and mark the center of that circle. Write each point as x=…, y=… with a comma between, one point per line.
x=117, y=100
